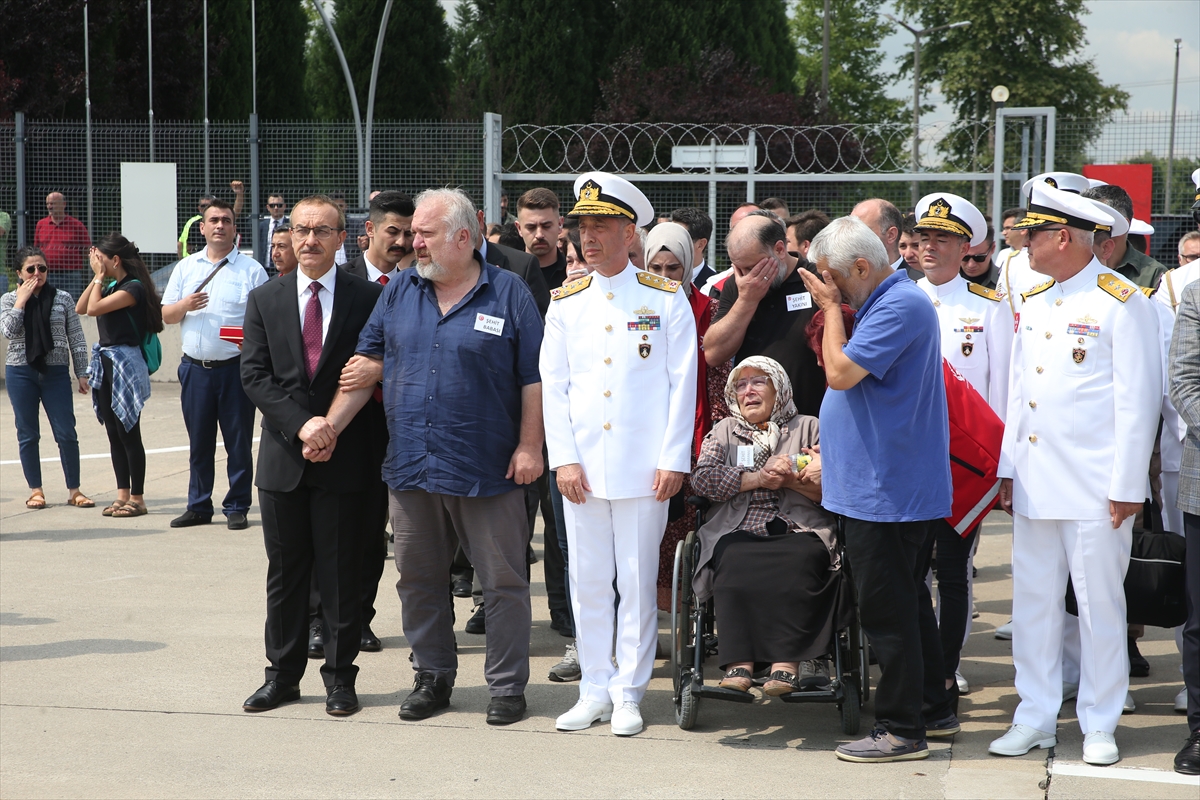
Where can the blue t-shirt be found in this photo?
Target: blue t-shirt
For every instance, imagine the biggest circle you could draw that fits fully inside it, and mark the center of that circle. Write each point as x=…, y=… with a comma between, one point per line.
x=885, y=443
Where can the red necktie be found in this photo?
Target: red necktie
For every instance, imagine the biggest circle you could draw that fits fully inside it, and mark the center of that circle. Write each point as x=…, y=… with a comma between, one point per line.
x=382, y=280
x=312, y=331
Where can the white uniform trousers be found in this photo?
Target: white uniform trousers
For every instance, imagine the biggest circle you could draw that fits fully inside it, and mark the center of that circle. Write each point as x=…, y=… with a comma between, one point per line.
x=1096, y=557
x=607, y=539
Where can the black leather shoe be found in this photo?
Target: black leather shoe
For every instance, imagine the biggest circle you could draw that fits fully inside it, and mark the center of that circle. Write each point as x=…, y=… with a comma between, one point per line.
x=316, y=640
x=189, y=518
x=370, y=642
x=236, y=521
x=1139, y=667
x=341, y=701
x=1187, y=761
x=430, y=693
x=460, y=587
x=506, y=710
x=271, y=695
x=477, y=623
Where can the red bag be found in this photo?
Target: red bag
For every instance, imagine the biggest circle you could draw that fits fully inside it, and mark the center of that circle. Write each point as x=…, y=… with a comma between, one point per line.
x=976, y=434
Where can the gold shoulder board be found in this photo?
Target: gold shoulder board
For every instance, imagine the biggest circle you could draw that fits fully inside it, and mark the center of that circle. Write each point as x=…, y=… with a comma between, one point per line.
x=1041, y=287
x=1115, y=286
x=568, y=289
x=1148, y=291
x=657, y=281
x=983, y=291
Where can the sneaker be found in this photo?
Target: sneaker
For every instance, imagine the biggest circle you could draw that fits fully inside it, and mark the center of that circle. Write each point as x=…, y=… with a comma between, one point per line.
x=627, y=719
x=1100, y=748
x=1020, y=739
x=881, y=747
x=1129, y=707
x=1181, y=701
x=1005, y=631
x=814, y=674
x=974, y=610
x=942, y=728
x=583, y=714
x=567, y=669
x=963, y=686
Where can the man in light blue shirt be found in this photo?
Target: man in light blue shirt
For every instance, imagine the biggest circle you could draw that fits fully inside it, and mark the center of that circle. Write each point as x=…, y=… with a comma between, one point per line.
x=208, y=291
x=885, y=449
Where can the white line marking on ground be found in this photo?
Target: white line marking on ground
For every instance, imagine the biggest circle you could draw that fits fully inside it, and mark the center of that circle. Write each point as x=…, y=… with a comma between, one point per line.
x=155, y=451
x=1144, y=774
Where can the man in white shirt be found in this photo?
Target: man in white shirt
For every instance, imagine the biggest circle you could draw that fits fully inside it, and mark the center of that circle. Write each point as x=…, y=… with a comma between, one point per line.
x=206, y=292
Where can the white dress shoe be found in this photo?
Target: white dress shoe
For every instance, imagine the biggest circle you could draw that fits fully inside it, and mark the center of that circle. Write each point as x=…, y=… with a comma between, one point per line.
x=1181, y=701
x=1070, y=691
x=1100, y=748
x=1019, y=740
x=627, y=719
x=583, y=715
x=963, y=686
x=1005, y=631
x=1129, y=706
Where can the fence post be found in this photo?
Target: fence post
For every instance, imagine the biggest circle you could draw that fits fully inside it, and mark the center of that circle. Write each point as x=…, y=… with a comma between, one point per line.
x=712, y=199
x=998, y=169
x=493, y=130
x=19, y=141
x=256, y=237
x=1051, y=122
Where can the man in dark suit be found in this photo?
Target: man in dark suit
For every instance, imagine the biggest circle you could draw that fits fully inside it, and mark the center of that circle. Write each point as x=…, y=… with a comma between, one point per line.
x=268, y=225
x=389, y=226
x=300, y=330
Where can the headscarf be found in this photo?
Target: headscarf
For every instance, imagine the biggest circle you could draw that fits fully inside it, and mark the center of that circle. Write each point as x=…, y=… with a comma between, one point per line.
x=765, y=435
x=674, y=238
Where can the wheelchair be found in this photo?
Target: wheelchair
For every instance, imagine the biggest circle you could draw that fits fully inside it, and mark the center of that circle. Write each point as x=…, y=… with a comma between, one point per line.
x=694, y=638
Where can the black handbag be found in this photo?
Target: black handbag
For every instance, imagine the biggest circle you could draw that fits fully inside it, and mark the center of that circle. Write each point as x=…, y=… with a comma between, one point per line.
x=1155, y=584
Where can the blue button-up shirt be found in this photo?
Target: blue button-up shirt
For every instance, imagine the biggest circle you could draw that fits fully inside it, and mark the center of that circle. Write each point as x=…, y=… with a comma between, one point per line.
x=451, y=384
x=227, y=294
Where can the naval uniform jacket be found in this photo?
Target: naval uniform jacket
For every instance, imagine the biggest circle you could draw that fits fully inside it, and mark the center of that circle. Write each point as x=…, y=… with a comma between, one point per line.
x=618, y=368
x=1084, y=399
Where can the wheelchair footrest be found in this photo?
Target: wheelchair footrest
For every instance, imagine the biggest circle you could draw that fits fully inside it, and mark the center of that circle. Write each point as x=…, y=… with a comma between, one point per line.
x=833, y=694
x=717, y=693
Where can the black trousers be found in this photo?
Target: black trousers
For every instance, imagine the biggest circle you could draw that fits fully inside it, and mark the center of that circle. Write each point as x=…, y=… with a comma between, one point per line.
x=375, y=519
x=889, y=561
x=128, y=452
x=1191, y=628
x=553, y=565
x=953, y=555
x=305, y=528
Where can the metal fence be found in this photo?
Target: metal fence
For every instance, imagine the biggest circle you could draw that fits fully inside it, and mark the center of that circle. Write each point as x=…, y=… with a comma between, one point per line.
x=827, y=167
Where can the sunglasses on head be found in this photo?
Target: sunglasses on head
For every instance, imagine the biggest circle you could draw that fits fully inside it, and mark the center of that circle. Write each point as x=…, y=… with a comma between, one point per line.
x=32, y=268
x=978, y=259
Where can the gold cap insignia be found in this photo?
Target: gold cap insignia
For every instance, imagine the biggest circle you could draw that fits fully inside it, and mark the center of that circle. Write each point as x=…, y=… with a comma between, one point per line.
x=1053, y=183
x=589, y=192
x=939, y=208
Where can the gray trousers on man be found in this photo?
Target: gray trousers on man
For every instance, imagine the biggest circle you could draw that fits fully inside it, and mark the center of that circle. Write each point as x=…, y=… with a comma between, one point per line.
x=494, y=535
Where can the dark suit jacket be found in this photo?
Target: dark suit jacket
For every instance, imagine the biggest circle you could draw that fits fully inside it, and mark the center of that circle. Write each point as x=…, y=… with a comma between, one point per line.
x=357, y=266
x=526, y=267
x=264, y=257
x=274, y=378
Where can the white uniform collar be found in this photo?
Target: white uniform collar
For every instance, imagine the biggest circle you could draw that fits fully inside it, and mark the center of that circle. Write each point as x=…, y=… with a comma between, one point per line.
x=1082, y=279
x=620, y=279
x=949, y=287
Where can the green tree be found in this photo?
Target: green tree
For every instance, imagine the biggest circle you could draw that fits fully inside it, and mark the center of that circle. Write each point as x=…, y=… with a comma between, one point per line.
x=282, y=28
x=413, y=74
x=856, y=82
x=230, y=78
x=1031, y=46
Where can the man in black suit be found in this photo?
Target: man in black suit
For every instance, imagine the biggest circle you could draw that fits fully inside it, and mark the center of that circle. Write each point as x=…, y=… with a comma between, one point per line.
x=267, y=226
x=300, y=330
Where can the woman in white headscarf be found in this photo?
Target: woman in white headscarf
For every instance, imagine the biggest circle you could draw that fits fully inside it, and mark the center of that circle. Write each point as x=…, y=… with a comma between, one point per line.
x=767, y=551
x=669, y=253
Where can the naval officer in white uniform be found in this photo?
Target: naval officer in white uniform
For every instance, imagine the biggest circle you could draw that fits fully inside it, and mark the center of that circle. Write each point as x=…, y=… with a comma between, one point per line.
x=1083, y=409
x=618, y=370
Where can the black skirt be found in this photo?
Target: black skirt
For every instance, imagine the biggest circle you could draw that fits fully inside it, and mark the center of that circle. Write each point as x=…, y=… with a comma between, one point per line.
x=774, y=597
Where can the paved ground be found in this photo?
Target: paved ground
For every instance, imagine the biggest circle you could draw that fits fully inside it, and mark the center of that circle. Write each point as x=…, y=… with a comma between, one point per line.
x=126, y=650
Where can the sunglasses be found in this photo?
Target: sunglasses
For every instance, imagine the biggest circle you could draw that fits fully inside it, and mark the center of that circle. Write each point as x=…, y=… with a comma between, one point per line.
x=30, y=270
x=978, y=259
x=274, y=205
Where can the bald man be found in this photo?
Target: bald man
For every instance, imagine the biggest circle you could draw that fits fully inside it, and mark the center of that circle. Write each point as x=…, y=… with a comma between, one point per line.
x=886, y=221
x=66, y=242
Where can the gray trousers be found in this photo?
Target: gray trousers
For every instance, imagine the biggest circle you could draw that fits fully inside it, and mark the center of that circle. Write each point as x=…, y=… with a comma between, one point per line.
x=494, y=533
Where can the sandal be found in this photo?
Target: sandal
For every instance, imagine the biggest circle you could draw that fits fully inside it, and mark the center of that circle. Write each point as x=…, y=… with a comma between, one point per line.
x=108, y=512
x=737, y=678
x=81, y=500
x=130, y=508
x=37, y=500
x=781, y=682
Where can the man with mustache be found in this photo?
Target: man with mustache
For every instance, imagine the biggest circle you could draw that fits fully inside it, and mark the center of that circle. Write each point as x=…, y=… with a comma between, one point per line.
x=765, y=308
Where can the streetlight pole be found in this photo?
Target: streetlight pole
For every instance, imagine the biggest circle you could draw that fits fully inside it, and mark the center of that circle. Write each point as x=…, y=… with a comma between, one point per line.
x=150, y=71
x=358, y=126
x=916, y=140
x=1171, y=147
x=87, y=105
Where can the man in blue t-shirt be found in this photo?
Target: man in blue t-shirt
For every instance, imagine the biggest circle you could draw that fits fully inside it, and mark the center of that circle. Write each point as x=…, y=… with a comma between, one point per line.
x=885, y=447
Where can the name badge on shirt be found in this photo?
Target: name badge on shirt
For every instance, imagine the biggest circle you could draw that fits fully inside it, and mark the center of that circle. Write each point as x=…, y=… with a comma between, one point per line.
x=745, y=455
x=799, y=301
x=492, y=325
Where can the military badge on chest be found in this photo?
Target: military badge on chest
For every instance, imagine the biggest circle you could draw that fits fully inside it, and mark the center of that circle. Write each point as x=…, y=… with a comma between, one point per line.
x=968, y=348
x=644, y=349
x=1078, y=355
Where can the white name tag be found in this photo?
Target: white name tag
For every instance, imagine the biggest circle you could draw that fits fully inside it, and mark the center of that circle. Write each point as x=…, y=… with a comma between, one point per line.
x=799, y=301
x=492, y=325
x=745, y=455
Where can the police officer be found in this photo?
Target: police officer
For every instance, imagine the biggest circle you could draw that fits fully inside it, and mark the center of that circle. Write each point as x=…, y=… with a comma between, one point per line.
x=618, y=369
x=1082, y=414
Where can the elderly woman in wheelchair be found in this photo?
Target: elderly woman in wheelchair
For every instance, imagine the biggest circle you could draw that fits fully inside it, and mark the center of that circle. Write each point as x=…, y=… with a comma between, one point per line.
x=768, y=554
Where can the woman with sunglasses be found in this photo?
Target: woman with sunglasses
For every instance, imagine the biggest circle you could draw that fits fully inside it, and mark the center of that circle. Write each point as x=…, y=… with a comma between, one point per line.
x=44, y=335
x=126, y=305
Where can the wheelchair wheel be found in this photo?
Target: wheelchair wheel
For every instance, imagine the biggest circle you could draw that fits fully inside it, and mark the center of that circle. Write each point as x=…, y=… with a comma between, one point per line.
x=686, y=708
x=850, y=711
x=683, y=633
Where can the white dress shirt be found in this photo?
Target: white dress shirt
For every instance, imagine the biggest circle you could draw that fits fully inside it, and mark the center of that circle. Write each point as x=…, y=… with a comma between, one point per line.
x=325, y=296
x=374, y=273
x=227, y=293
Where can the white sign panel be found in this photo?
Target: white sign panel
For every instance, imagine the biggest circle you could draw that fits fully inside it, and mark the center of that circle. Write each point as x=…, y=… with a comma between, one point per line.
x=728, y=156
x=148, y=206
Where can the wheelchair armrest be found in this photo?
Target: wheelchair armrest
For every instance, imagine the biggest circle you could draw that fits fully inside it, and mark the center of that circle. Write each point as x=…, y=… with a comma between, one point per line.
x=702, y=504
